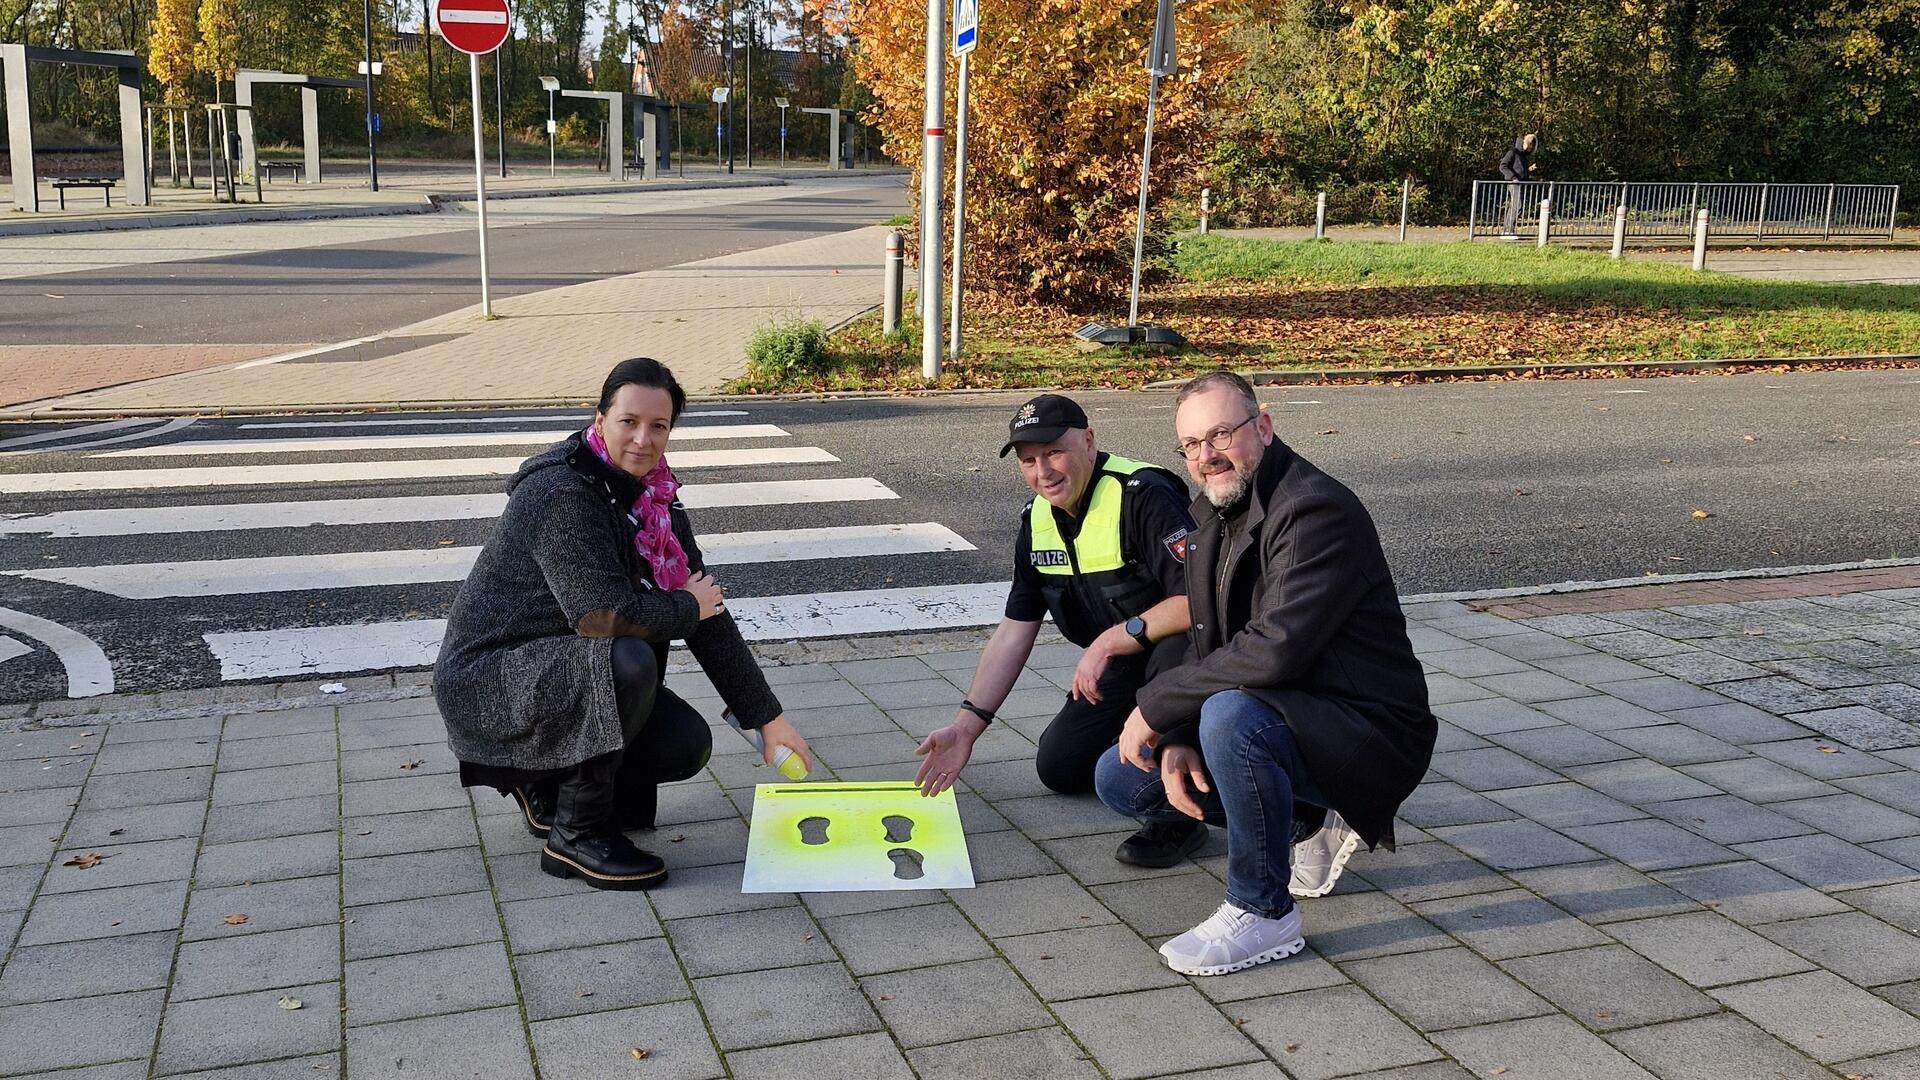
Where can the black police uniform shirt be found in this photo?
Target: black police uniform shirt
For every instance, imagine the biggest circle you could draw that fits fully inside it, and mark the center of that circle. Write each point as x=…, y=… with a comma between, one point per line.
x=1154, y=523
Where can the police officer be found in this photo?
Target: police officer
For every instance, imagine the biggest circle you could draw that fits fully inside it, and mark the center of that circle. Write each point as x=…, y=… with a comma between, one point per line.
x=1102, y=549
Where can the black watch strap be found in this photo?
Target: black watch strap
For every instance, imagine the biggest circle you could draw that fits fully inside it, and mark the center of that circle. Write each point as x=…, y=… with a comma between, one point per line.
x=984, y=714
x=1139, y=636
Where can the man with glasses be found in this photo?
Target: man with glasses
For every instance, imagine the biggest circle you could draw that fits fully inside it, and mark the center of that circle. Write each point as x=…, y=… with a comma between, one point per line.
x=1302, y=703
x=1102, y=549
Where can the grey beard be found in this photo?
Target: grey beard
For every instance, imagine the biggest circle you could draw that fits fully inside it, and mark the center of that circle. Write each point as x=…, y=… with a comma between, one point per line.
x=1236, y=491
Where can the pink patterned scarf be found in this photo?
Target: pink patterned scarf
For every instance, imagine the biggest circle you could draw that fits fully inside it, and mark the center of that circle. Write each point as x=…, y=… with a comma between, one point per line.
x=652, y=512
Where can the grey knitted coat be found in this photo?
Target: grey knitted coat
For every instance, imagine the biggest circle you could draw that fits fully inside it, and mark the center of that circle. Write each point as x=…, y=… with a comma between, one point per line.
x=525, y=674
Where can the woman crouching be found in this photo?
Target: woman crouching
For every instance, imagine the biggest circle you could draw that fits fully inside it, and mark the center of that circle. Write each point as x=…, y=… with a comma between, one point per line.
x=551, y=676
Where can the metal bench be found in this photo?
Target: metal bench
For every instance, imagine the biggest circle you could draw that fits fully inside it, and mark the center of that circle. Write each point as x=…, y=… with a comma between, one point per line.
x=297, y=168
x=104, y=183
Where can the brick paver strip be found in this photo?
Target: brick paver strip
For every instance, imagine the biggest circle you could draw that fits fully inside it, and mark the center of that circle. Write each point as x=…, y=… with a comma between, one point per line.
x=35, y=372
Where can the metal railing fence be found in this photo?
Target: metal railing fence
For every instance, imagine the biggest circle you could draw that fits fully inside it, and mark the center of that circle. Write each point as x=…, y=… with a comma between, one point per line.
x=1585, y=208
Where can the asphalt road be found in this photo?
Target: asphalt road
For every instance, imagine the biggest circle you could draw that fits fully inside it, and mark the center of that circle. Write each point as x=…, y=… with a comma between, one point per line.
x=1473, y=486
x=347, y=290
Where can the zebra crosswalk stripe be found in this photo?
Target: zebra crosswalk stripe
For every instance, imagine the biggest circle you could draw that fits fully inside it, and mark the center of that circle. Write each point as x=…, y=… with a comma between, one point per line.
x=230, y=517
x=448, y=440
x=321, y=650
x=333, y=472
x=360, y=569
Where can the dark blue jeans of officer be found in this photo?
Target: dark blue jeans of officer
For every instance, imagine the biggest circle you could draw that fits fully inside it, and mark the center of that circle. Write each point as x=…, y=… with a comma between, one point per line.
x=1255, y=770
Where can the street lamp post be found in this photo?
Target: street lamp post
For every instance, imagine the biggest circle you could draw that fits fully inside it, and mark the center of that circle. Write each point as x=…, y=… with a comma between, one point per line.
x=550, y=85
x=373, y=148
x=729, y=97
x=750, y=37
x=783, y=103
x=500, y=111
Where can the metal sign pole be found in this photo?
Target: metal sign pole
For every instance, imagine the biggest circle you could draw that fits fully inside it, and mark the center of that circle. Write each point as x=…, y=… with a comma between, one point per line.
x=1140, y=223
x=480, y=185
x=932, y=154
x=959, y=205
x=1160, y=62
x=500, y=111
x=373, y=147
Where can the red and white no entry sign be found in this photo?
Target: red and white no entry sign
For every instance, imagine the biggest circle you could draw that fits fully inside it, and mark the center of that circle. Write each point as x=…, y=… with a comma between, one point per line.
x=473, y=26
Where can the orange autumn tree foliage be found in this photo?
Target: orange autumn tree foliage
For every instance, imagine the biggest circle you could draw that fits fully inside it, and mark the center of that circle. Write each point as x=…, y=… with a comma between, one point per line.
x=1059, y=102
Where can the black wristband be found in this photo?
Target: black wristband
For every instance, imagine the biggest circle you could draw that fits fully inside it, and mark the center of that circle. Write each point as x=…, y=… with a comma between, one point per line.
x=984, y=714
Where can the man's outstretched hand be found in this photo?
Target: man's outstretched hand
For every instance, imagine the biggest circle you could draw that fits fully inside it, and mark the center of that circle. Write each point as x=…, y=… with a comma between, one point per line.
x=946, y=751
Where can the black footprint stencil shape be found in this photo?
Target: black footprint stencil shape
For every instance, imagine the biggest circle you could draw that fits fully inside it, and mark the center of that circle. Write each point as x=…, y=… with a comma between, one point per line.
x=907, y=864
x=813, y=830
x=899, y=829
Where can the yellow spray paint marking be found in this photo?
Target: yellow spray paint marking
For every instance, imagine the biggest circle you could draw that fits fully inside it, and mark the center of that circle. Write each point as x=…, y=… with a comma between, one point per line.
x=854, y=837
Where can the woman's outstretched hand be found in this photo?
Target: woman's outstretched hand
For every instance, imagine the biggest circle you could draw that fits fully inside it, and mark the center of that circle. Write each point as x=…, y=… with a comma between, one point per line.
x=707, y=591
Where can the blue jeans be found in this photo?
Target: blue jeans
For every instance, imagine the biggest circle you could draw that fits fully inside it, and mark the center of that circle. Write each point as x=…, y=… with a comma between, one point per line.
x=1256, y=773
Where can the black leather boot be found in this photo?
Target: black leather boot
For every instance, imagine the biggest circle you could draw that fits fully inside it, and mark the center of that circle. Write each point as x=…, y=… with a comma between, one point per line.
x=636, y=804
x=536, y=805
x=585, y=842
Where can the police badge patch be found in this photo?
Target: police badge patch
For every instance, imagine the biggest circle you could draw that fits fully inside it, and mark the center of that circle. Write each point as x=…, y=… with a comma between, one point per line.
x=1176, y=545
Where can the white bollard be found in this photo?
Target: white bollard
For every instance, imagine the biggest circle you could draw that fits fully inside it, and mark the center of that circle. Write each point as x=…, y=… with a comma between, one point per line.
x=1406, y=197
x=1620, y=230
x=890, y=290
x=1546, y=220
x=1700, y=240
x=1320, y=217
x=1206, y=208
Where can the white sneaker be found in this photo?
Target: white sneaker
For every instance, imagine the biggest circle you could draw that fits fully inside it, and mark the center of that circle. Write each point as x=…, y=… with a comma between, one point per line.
x=1231, y=940
x=1318, y=860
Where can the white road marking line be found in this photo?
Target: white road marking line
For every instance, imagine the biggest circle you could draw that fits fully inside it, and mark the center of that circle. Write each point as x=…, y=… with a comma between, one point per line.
x=291, y=651
x=837, y=542
x=270, y=574
x=242, y=475
x=784, y=492
x=88, y=672
x=447, y=441
x=12, y=647
x=870, y=611
x=348, y=471
x=361, y=569
x=228, y=517
x=299, y=354
x=177, y=424
x=317, y=650
x=438, y=421
x=9, y=445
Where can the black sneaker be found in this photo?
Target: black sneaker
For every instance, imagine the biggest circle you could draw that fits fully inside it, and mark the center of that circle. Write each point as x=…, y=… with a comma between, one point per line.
x=1162, y=843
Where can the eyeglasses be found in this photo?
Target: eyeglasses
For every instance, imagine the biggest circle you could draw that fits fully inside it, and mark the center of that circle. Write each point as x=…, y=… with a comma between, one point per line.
x=1220, y=439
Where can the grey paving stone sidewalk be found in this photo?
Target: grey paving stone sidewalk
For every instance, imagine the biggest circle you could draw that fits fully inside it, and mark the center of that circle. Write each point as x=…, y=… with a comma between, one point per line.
x=1678, y=843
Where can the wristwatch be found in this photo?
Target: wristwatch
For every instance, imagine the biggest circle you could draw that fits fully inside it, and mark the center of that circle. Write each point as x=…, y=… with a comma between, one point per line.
x=1136, y=629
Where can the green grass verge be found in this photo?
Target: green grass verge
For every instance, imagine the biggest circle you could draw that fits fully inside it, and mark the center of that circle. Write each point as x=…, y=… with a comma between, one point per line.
x=1350, y=305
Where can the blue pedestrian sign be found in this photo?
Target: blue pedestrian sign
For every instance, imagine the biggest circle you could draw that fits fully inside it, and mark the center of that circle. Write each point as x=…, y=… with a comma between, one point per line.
x=966, y=26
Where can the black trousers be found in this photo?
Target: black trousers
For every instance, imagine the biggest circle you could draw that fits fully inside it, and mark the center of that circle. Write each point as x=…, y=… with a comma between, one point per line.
x=1082, y=730
x=667, y=739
